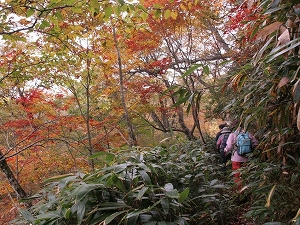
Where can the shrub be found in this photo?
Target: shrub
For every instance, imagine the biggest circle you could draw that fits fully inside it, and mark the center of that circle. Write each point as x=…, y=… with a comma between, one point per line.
x=182, y=184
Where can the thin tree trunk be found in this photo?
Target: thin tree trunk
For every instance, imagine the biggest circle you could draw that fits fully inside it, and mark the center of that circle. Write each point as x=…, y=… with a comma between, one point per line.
x=132, y=138
x=87, y=117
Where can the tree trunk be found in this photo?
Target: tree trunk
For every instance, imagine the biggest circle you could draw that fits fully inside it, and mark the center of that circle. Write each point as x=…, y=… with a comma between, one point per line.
x=132, y=138
x=11, y=178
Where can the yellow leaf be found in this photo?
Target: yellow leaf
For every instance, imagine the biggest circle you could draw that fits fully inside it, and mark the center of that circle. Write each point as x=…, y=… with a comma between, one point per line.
x=268, y=203
x=298, y=120
x=297, y=215
x=174, y=15
x=182, y=7
x=167, y=14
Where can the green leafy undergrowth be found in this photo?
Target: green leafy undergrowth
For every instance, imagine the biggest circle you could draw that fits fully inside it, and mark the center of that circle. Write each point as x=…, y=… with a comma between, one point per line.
x=273, y=191
x=182, y=184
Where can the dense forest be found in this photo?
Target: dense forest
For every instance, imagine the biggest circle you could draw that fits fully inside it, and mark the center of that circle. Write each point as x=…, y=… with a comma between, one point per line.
x=109, y=111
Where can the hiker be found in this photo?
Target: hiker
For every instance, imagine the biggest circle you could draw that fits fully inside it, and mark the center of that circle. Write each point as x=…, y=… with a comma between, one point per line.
x=221, y=126
x=238, y=160
x=221, y=144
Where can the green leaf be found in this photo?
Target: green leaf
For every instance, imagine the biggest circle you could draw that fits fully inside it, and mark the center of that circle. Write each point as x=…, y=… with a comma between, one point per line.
x=44, y=24
x=108, y=11
x=142, y=192
x=181, y=100
x=167, y=14
x=157, y=13
x=113, y=216
x=183, y=195
x=59, y=177
x=30, y=12
x=95, y=4
x=145, y=177
x=151, y=223
x=112, y=206
x=162, y=223
x=170, y=191
x=81, y=209
x=69, y=2
x=49, y=215
x=191, y=69
x=59, y=16
x=132, y=220
x=100, y=154
x=144, y=15
x=63, y=182
x=82, y=190
x=276, y=51
x=67, y=213
x=26, y=214
x=118, y=182
x=165, y=205
x=206, y=69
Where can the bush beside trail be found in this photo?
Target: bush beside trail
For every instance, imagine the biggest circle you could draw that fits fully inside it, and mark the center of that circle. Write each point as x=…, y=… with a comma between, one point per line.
x=180, y=184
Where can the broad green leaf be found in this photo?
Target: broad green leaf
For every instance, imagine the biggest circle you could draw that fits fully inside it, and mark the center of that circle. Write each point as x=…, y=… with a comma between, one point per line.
x=108, y=12
x=191, y=69
x=59, y=177
x=145, y=177
x=118, y=182
x=30, y=12
x=63, y=182
x=59, y=16
x=117, y=10
x=95, y=4
x=49, y=215
x=170, y=191
x=183, y=195
x=67, y=213
x=44, y=24
x=142, y=192
x=181, y=100
x=82, y=190
x=157, y=13
x=26, y=214
x=81, y=209
x=165, y=205
x=113, y=216
x=112, y=206
x=133, y=219
x=136, y=213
